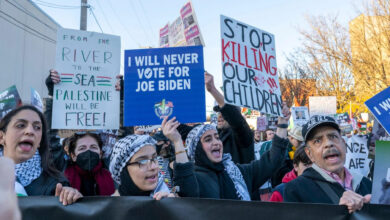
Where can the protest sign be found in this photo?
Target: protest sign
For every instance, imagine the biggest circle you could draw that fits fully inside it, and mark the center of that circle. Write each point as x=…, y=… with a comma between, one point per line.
x=164, y=82
x=381, y=182
x=300, y=115
x=176, y=33
x=344, y=122
x=272, y=121
x=164, y=36
x=249, y=67
x=356, y=159
x=36, y=100
x=262, y=123
x=379, y=106
x=322, y=105
x=9, y=99
x=192, y=32
x=87, y=63
x=148, y=128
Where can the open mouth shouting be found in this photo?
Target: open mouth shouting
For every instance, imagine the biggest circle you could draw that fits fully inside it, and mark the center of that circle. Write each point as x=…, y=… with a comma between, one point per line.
x=26, y=145
x=152, y=178
x=216, y=152
x=332, y=156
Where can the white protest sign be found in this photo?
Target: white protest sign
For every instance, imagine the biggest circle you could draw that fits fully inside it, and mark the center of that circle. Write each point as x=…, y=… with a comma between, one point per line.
x=249, y=69
x=87, y=63
x=36, y=100
x=322, y=105
x=262, y=123
x=300, y=115
x=176, y=33
x=357, y=154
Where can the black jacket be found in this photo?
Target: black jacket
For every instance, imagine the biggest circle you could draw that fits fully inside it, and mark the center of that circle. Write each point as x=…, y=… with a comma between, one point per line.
x=238, y=139
x=200, y=182
x=306, y=189
x=44, y=185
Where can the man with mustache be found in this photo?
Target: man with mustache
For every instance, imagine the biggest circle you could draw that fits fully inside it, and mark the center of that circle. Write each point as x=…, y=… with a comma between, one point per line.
x=327, y=181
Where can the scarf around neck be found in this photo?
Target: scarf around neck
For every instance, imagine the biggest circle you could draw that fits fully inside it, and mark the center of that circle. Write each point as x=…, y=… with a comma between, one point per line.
x=101, y=176
x=29, y=170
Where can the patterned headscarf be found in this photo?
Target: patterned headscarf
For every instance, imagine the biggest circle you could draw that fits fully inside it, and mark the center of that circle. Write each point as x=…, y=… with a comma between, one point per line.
x=194, y=136
x=124, y=150
x=231, y=169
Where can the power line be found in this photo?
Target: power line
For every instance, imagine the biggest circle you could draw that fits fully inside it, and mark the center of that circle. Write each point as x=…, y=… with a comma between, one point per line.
x=139, y=20
x=147, y=18
x=52, y=5
x=124, y=26
x=104, y=16
x=97, y=22
x=20, y=25
x=23, y=9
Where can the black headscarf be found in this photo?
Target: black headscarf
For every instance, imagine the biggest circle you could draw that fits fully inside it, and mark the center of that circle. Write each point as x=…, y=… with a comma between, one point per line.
x=226, y=185
x=128, y=187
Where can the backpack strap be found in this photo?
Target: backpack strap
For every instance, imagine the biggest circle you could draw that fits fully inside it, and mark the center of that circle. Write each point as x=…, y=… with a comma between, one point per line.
x=329, y=191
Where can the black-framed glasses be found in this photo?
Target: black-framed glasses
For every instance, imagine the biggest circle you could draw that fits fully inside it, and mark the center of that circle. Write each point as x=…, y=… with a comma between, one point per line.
x=145, y=163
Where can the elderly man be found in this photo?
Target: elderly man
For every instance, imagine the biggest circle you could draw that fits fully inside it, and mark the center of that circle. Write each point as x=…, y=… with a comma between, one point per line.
x=327, y=181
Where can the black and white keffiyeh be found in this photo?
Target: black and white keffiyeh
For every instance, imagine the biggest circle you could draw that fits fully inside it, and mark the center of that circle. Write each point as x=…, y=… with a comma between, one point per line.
x=29, y=170
x=123, y=151
x=234, y=173
x=193, y=138
x=236, y=176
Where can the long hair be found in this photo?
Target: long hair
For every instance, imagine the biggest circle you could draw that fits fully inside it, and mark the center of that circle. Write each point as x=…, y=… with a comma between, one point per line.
x=44, y=151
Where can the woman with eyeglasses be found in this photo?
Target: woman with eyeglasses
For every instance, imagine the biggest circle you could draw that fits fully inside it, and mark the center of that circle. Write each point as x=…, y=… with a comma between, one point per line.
x=86, y=172
x=23, y=138
x=134, y=167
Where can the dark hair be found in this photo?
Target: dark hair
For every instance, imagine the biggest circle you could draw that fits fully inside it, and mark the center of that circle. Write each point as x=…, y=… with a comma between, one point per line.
x=44, y=151
x=300, y=156
x=73, y=140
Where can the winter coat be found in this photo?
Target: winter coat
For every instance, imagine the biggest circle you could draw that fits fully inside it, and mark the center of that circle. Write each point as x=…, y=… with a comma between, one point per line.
x=306, y=189
x=195, y=181
x=277, y=194
x=44, y=185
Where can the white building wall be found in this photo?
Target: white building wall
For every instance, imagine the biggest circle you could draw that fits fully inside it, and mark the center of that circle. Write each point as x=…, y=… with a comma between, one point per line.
x=27, y=47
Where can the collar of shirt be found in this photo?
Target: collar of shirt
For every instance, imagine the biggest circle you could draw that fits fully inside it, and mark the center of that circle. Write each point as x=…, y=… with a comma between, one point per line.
x=347, y=183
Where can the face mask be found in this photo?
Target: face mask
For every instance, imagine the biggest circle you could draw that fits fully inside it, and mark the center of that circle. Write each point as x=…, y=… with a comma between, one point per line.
x=87, y=160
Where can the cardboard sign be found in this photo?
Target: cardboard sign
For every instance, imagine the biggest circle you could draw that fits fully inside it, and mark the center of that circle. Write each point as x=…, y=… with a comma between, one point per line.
x=191, y=27
x=164, y=36
x=9, y=99
x=381, y=182
x=379, y=106
x=357, y=155
x=344, y=122
x=300, y=115
x=262, y=123
x=249, y=69
x=272, y=122
x=176, y=33
x=87, y=63
x=36, y=100
x=322, y=105
x=164, y=82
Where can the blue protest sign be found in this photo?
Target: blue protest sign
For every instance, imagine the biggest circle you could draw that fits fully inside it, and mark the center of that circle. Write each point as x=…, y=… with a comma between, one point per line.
x=379, y=106
x=164, y=82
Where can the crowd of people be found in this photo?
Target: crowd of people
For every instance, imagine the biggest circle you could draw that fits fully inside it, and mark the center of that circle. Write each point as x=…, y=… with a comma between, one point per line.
x=226, y=161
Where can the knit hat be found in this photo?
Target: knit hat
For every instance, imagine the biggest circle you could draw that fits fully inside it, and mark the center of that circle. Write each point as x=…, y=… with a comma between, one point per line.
x=194, y=136
x=124, y=150
x=296, y=132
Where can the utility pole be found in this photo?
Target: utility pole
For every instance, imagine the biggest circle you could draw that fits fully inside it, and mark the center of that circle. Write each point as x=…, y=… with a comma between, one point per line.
x=83, y=15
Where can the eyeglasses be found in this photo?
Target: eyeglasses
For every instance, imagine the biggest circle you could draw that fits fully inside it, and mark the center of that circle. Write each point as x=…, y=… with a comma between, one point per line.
x=144, y=164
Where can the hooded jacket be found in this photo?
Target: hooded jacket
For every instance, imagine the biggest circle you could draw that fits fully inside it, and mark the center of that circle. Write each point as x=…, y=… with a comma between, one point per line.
x=277, y=195
x=306, y=189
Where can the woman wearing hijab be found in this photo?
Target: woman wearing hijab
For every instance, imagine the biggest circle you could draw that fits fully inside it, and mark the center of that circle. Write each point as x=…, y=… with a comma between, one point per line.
x=134, y=167
x=86, y=172
x=213, y=174
x=24, y=140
